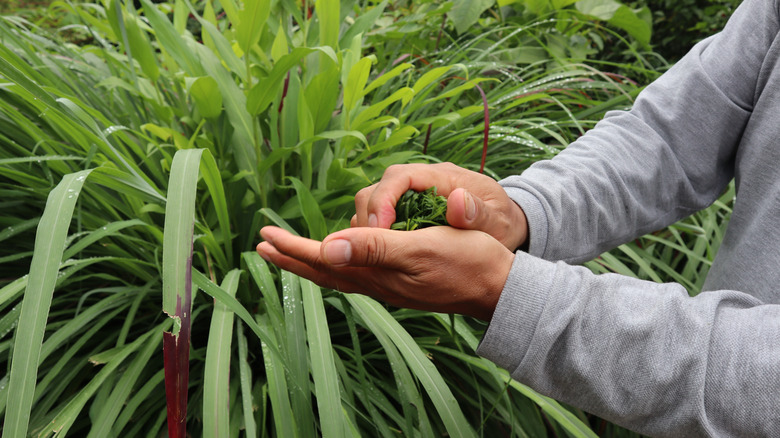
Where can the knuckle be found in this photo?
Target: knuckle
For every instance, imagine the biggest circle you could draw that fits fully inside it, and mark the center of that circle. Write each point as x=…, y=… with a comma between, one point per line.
x=364, y=193
x=375, y=250
x=393, y=170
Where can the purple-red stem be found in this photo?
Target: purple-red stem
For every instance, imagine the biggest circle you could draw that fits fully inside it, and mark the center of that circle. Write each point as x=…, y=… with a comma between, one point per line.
x=284, y=92
x=176, y=356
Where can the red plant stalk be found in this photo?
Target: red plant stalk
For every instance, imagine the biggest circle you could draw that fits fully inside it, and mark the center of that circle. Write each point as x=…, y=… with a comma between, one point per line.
x=176, y=353
x=486, y=130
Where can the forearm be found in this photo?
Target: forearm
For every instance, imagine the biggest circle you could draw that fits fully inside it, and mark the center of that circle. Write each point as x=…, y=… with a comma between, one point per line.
x=642, y=354
x=671, y=155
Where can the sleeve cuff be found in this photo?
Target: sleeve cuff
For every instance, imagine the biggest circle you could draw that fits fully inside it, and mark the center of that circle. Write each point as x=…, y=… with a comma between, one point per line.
x=536, y=216
x=517, y=314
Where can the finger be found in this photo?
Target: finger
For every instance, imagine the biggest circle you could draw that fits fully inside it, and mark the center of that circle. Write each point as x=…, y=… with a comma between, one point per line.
x=299, y=248
x=361, y=204
x=400, y=178
x=323, y=278
x=373, y=247
x=353, y=222
x=467, y=211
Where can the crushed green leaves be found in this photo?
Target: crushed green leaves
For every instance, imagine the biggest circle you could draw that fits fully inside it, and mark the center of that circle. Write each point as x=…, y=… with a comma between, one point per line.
x=419, y=210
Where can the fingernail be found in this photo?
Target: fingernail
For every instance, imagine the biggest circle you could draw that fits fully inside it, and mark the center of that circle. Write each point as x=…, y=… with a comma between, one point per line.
x=471, y=206
x=373, y=222
x=338, y=252
x=264, y=256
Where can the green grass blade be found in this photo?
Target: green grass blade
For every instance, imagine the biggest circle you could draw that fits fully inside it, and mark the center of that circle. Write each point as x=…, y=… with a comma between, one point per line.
x=378, y=319
x=173, y=43
x=140, y=397
x=283, y=414
x=105, y=231
x=67, y=416
x=49, y=244
x=108, y=414
x=311, y=211
x=258, y=269
x=213, y=179
x=223, y=297
x=216, y=375
x=179, y=220
x=245, y=377
x=298, y=353
x=550, y=407
x=323, y=367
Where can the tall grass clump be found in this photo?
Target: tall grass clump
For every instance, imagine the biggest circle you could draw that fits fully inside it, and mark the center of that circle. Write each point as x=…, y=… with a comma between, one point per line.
x=137, y=167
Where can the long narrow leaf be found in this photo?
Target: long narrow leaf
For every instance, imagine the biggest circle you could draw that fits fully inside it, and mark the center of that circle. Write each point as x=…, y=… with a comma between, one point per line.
x=49, y=244
x=216, y=422
x=323, y=367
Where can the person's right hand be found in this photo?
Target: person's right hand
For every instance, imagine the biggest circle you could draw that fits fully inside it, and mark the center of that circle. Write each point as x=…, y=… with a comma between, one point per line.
x=474, y=201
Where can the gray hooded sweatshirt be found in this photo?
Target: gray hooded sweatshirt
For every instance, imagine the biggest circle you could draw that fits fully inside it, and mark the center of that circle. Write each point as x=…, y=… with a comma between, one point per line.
x=646, y=355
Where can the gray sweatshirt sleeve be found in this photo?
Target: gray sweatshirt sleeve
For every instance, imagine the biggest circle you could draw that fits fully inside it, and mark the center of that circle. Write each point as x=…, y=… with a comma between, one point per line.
x=644, y=355
x=671, y=155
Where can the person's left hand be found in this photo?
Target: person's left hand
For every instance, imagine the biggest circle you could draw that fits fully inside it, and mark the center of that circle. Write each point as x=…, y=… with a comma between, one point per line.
x=439, y=269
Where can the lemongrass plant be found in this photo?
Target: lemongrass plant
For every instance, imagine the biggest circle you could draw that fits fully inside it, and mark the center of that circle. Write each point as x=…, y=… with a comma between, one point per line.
x=137, y=170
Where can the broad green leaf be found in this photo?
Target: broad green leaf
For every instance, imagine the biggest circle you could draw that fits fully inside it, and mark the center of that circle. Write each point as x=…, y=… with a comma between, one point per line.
x=141, y=48
x=250, y=26
x=466, y=12
x=279, y=48
x=264, y=92
x=216, y=373
x=205, y=93
x=356, y=83
x=49, y=246
x=329, y=16
x=638, y=23
x=231, y=10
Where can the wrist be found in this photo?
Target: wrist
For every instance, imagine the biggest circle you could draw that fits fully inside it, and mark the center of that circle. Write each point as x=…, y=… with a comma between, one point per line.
x=494, y=287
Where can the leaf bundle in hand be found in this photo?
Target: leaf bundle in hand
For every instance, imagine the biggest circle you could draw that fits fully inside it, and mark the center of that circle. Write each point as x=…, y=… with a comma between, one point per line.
x=419, y=210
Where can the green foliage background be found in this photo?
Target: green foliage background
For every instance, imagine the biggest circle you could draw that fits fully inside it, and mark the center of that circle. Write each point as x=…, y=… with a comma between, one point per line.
x=139, y=140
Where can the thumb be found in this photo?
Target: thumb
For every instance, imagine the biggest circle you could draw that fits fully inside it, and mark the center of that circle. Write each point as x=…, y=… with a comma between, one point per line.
x=367, y=247
x=466, y=211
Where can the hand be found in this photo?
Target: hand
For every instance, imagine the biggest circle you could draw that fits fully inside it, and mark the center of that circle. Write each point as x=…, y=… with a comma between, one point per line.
x=474, y=201
x=439, y=269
